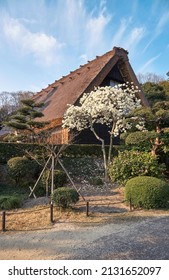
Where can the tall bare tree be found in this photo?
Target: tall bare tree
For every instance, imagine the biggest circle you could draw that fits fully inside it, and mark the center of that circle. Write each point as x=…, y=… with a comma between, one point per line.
x=149, y=77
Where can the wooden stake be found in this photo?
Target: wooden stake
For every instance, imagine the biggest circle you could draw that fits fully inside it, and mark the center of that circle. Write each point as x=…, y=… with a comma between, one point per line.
x=3, y=221
x=32, y=192
x=52, y=174
x=39, y=176
x=87, y=208
x=70, y=178
x=51, y=213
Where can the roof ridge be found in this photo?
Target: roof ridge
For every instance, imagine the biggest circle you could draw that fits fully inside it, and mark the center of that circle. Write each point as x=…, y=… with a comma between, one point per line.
x=69, y=75
x=69, y=88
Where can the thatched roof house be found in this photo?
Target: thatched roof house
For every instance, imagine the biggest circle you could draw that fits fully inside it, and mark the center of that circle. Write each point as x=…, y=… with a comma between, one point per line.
x=109, y=69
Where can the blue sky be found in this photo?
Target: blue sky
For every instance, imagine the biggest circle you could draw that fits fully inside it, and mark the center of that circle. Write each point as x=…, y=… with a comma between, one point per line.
x=42, y=40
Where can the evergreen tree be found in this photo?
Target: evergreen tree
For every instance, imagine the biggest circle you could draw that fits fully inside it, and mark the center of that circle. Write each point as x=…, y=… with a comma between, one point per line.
x=154, y=92
x=26, y=121
x=156, y=118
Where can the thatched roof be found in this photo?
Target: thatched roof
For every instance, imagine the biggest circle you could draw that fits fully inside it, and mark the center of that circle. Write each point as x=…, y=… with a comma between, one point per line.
x=70, y=88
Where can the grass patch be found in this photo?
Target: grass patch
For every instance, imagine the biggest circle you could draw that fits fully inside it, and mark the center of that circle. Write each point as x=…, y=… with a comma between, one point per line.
x=10, y=189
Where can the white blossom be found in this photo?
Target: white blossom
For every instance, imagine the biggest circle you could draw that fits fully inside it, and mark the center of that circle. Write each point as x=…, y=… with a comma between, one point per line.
x=105, y=105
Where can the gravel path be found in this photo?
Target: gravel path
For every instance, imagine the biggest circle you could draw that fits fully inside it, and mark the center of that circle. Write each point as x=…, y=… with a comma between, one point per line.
x=141, y=238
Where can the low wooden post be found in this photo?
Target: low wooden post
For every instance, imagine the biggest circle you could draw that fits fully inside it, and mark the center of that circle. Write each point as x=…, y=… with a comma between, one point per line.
x=3, y=221
x=131, y=205
x=87, y=208
x=51, y=213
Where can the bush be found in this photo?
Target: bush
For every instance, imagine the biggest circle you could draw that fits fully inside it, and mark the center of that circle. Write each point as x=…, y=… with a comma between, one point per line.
x=65, y=197
x=60, y=178
x=9, y=202
x=40, y=190
x=147, y=192
x=20, y=168
x=129, y=164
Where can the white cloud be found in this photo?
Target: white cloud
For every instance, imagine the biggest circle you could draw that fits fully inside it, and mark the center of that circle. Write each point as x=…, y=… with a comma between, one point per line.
x=95, y=27
x=128, y=36
x=119, y=35
x=134, y=37
x=83, y=58
x=148, y=63
x=43, y=47
x=27, y=20
x=164, y=19
x=148, y=44
x=83, y=31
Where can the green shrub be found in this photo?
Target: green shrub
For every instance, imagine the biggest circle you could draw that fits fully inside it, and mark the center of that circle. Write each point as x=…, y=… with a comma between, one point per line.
x=147, y=192
x=22, y=168
x=40, y=190
x=9, y=202
x=129, y=164
x=60, y=178
x=64, y=197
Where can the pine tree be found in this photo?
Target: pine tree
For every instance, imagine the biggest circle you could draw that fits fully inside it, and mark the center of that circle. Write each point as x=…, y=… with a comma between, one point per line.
x=156, y=118
x=26, y=121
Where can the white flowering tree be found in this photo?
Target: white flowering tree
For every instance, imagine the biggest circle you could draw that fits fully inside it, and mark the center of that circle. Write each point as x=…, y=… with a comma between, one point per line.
x=105, y=105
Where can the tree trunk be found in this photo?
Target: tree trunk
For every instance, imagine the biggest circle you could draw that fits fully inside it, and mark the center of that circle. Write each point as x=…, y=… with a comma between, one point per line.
x=111, y=142
x=158, y=128
x=157, y=141
x=110, y=149
x=153, y=150
x=104, y=154
x=105, y=161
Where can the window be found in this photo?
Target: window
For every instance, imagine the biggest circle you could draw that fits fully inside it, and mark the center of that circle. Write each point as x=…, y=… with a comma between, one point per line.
x=113, y=83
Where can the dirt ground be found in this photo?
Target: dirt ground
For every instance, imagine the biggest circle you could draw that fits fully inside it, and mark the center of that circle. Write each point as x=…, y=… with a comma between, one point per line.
x=30, y=235
x=35, y=213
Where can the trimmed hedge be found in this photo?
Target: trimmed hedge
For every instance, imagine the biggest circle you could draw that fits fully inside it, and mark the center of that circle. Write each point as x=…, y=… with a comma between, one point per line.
x=80, y=150
x=147, y=192
x=65, y=197
x=9, y=150
x=8, y=202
